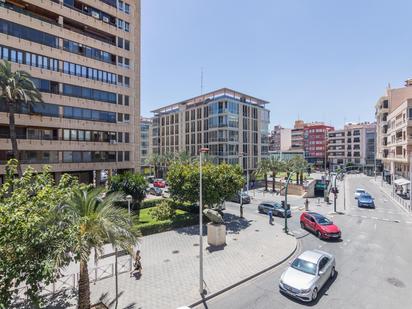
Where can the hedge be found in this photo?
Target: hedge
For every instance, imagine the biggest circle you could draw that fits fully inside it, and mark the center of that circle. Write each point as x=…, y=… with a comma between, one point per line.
x=182, y=220
x=151, y=203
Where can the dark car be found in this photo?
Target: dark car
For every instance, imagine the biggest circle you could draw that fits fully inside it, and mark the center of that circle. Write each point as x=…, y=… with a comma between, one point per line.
x=241, y=195
x=366, y=200
x=275, y=207
x=155, y=191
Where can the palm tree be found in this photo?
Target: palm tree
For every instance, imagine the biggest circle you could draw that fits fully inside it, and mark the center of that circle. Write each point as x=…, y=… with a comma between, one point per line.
x=264, y=168
x=154, y=161
x=276, y=166
x=96, y=222
x=17, y=89
x=301, y=166
x=182, y=158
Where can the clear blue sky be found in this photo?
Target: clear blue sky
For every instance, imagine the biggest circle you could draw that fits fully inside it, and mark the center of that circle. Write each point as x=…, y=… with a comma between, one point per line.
x=325, y=60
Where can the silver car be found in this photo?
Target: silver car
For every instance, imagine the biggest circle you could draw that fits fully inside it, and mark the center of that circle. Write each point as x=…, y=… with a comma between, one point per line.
x=359, y=192
x=307, y=274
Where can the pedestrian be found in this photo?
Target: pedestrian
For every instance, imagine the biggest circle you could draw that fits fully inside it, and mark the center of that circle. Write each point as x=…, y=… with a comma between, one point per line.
x=270, y=217
x=137, y=263
x=307, y=204
x=241, y=206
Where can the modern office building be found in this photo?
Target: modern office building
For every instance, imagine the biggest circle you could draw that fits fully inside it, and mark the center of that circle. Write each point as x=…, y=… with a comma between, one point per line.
x=297, y=135
x=280, y=139
x=354, y=145
x=315, y=143
x=84, y=57
x=394, y=131
x=286, y=154
x=234, y=127
x=145, y=144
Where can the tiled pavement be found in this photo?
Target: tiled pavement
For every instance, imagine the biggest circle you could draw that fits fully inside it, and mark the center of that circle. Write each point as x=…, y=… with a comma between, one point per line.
x=171, y=263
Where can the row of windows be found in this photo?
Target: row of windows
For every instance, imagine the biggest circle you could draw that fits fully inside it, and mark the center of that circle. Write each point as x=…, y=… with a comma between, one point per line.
x=88, y=93
x=90, y=73
x=29, y=34
x=95, y=156
x=88, y=52
x=86, y=9
x=88, y=114
x=44, y=109
x=95, y=136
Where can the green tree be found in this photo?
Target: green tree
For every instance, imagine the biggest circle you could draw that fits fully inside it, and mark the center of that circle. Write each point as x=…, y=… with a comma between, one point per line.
x=96, y=222
x=33, y=247
x=263, y=169
x=220, y=182
x=154, y=161
x=17, y=89
x=300, y=167
x=276, y=166
x=130, y=184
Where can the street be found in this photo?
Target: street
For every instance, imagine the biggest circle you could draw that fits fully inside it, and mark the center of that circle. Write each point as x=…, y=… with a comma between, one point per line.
x=372, y=260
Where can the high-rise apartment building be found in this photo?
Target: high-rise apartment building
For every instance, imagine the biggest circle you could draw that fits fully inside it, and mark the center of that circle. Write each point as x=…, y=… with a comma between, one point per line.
x=145, y=144
x=84, y=57
x=355, y=145
x=280, y=139
x=394, y=131
x=315, y=142
x=232, y=125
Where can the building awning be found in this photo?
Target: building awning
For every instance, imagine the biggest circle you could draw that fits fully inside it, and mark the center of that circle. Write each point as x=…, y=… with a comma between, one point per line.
x=401, y=182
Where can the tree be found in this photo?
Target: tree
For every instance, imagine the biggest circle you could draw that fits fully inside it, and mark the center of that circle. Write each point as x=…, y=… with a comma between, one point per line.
x=183, y=158
x=154, y=161
x=130, y=184
x=276, y=166
x=17, y=88
x=96, y=222
x=220, y=182
x=300, y=167
x=33, y=247
x=264, y=168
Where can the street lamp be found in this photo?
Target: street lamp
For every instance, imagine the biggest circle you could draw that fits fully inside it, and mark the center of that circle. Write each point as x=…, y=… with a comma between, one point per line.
x=201, y=291
x=286, y=202
x=241, y=154
x=129, y=199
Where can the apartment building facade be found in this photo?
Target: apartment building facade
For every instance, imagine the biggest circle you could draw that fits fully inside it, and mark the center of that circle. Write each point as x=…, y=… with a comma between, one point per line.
x=315, y=142
x=145, y=144
x=232, y=125
x=297, y=134
x=280, y=139
x=353, y=145
x=394, y=131
x=84, y=57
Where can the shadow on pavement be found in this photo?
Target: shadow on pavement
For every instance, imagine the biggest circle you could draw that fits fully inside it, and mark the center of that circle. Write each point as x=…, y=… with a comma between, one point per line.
x=235, y=224
x=61, y=299
x=323, y=292
x=212, y=249
x=111, y=303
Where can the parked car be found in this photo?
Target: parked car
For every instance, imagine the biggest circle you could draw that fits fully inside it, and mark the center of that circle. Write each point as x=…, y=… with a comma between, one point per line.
x=320, y=225
x=160, y=183
x=241, y=195
x=366, y=200
x=155, y=191
x=275, y=207
x=166, y=193
x=359, y=192
x=307, y=274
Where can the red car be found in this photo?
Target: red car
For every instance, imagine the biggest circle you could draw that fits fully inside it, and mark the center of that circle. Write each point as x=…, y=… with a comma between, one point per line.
x=159, y=183
x=320, y=225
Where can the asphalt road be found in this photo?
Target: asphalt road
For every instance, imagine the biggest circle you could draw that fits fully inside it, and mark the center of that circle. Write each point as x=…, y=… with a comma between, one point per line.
x=373, y=260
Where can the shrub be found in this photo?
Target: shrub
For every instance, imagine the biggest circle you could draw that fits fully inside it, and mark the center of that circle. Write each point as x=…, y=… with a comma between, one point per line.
x=151, y=203
x=163, y=211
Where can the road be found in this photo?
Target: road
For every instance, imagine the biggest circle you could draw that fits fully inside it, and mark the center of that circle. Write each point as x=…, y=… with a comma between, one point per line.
x=373, y=260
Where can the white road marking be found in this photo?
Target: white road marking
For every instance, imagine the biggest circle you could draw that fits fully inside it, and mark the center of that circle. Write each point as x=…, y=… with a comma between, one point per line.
x=376, y=218
x=374, y=226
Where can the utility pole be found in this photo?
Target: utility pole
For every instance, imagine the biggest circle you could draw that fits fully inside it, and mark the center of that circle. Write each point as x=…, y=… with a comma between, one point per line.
x=201, y=291
x=410, y=179
x=286, y=203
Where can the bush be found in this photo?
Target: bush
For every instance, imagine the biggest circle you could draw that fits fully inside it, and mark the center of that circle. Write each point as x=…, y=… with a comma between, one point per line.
x=151, y=203
x=163, y=211
x=185, y=206
x=179, y=220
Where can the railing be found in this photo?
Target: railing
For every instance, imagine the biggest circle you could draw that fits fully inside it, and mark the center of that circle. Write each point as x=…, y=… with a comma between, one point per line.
x=27, y=13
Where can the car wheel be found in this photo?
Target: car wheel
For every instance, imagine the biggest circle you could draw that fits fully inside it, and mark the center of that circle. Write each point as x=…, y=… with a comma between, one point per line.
x=319, y=235
x=314, y=294
x=332, y=272
x=303, y=226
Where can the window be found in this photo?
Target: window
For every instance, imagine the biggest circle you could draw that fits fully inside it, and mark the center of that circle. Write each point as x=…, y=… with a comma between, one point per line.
x=89, y=52
x=323, y=262
x=126, y=44
x=120, y=42
x=127, y=8
x=88, y=114
x=88, y=93
x=126, y=100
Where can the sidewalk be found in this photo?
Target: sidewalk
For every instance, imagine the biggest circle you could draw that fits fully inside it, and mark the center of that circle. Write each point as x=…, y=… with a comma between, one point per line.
x=388, y=190
x=170, y=263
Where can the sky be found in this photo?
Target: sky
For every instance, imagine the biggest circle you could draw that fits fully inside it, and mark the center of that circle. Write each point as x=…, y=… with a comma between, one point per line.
x=319, y=60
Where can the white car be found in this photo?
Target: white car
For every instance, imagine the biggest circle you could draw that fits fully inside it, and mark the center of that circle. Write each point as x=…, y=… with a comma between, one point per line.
x=359, y=192
x=307, y=274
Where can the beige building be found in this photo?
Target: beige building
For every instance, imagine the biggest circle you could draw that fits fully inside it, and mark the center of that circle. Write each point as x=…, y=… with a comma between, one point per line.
x=394, y=131
x=297, y=135
x=355, y=145
x=232, y=125
x=84, y=56
x=146, y=146
x=280, y=139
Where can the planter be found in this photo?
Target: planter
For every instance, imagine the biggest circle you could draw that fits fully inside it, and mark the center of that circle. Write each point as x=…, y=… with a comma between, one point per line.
x=216, y=234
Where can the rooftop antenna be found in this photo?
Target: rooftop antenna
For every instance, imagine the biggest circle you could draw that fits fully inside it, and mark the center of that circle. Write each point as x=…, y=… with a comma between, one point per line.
x=201, y=80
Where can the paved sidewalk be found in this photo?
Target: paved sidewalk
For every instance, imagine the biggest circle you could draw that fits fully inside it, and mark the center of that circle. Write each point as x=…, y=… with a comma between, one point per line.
x=388, y=190
x=170, y=263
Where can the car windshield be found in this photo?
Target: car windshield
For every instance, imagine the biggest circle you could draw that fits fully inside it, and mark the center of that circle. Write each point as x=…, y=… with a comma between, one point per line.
x=366, y=196
x=360, y=191
x=323, y=220
x=305, y=266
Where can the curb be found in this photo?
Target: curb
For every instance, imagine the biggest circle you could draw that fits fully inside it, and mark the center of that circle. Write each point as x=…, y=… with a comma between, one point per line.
x=391, y=198
x=213, y=295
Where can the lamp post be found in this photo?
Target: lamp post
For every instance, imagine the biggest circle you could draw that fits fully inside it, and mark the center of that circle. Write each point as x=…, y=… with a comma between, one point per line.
x=286, y=203
x=202, y=151
x=129, y=199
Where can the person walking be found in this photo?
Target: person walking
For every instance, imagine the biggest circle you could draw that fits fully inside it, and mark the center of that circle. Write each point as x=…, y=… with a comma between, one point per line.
x=270, y=217
x=137, y=265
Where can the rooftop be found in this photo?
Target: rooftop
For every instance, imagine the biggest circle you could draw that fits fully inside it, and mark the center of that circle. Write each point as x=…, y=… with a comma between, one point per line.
x=204, y=98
